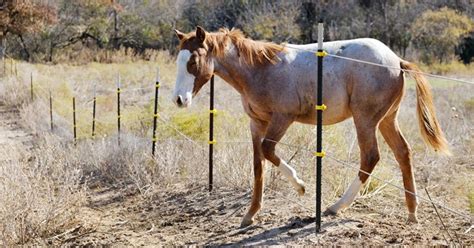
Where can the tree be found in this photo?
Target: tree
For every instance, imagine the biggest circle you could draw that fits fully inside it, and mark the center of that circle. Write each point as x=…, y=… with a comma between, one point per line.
x=465, y=50
x=272, y=21
x=437, y=33
x=19, y=17
x=80, y=21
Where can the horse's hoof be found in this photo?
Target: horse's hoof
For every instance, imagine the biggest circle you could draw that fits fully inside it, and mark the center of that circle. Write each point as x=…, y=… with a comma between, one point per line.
x=329, y=212
x=412, y=219
x=301, y=189
x=246, y=222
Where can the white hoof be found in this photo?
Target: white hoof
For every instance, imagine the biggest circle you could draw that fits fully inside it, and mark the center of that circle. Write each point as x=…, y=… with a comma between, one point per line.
x=332, y=210
x=300, y=188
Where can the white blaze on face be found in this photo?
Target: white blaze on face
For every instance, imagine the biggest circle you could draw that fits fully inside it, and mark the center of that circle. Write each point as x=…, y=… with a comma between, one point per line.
x=183, y=91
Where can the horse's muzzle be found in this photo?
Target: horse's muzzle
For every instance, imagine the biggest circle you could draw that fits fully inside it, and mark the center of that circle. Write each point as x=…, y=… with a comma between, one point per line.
x=179, y=101
x=182, y=102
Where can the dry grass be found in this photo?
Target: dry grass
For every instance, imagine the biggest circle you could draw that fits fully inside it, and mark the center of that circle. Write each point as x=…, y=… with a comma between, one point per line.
x=42, y=188
x=452, y=68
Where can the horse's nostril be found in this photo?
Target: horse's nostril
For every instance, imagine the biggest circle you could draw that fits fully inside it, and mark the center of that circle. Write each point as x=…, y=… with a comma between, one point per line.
x=179, y=101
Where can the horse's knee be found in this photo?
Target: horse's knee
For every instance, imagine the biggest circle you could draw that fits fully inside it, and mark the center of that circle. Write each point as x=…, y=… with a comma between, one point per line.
x=268, y=150
x=368, y=163
x=374, y=158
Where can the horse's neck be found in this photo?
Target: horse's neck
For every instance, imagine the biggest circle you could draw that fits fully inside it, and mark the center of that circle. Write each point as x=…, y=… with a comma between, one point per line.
x=237, y=74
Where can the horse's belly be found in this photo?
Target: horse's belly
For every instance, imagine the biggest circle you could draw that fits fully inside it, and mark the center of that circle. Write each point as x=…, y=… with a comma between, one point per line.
x=329, y=118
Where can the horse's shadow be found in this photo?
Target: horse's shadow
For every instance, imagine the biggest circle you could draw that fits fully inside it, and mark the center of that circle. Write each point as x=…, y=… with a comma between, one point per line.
x=297, y=227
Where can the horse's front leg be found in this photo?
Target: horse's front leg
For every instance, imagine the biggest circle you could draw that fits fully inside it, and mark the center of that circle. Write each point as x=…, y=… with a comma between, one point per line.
x=276, y=129
x=258, y=129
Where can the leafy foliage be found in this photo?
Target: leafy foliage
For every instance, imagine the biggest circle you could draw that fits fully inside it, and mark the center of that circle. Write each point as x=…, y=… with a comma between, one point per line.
x=22, y=16
x=437, y=33
x=88, y=26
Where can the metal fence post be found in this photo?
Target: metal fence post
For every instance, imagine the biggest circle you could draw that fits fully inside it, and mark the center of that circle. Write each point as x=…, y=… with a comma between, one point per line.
x=118, y=109
x=320, y=107
x=155, y=112
x=94, y=100
x=74, y=119
x=212, y=112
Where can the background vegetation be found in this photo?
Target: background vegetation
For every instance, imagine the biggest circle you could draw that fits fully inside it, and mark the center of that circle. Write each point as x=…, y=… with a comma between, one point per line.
x=47, y=187
x=68, y=46
x=86, y=30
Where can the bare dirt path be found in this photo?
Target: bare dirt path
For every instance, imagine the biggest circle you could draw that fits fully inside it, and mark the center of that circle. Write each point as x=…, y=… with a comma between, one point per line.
x=192, y=216
x=12, y=136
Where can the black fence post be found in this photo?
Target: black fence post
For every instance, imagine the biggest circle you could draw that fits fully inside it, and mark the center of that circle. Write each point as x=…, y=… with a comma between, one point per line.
x=320, y=107
x=118, y=109
x=74, y=119
x=155, y=113
x=212, y=112
x=94, y=100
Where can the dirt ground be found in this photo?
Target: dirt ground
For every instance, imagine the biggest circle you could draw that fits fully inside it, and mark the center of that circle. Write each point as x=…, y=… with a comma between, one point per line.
x=11, y=133
x=190, y=215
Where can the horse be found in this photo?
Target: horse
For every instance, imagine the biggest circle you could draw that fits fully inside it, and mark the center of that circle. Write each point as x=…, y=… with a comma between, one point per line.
x=277, y=84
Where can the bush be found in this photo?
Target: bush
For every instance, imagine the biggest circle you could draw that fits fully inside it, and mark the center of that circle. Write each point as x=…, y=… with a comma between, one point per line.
x=437, y=33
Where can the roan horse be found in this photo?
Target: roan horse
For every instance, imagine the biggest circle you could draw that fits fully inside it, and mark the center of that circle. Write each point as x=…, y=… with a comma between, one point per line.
x=277, y=84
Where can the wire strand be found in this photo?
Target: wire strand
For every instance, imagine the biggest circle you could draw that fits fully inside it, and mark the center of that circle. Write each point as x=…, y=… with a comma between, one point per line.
x=387, y=66
x=378, y=178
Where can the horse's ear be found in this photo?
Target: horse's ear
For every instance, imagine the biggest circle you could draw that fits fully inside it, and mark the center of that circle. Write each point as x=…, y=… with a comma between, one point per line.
x=200, y=34
x=179, y=34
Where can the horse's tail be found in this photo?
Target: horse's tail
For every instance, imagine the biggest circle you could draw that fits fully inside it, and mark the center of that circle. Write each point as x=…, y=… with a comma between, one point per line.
x=429, y=125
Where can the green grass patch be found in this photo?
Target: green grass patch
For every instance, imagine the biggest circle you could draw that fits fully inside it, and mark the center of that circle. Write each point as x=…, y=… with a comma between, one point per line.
x=192, y=124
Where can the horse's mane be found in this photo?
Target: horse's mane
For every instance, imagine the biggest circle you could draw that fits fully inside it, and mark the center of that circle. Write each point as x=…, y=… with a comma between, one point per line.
x=251, y=52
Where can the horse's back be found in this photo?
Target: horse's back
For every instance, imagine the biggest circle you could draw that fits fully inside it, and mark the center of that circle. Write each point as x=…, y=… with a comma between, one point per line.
x=347, y=82
x=367, y=49
x=372, y=88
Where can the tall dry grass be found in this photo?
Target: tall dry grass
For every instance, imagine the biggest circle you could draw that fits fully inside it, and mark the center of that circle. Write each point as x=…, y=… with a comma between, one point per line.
x=52, y=179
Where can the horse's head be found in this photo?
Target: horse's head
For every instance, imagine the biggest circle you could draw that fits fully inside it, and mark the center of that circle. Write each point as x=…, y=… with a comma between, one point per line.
x=195, y=66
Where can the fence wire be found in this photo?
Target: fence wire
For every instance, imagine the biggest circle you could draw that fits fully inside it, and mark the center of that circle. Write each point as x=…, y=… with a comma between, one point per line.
x=344, y=163
x=232, y=181
x=387, y=66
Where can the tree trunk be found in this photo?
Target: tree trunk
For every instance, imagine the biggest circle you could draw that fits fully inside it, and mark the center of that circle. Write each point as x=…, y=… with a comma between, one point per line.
x=25, y=49
x=3, y=48
x=51, y=50
x=115, y=38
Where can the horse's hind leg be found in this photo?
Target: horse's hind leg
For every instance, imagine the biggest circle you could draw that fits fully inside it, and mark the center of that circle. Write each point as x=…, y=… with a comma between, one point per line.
x=369, y=156
x=394, y=138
